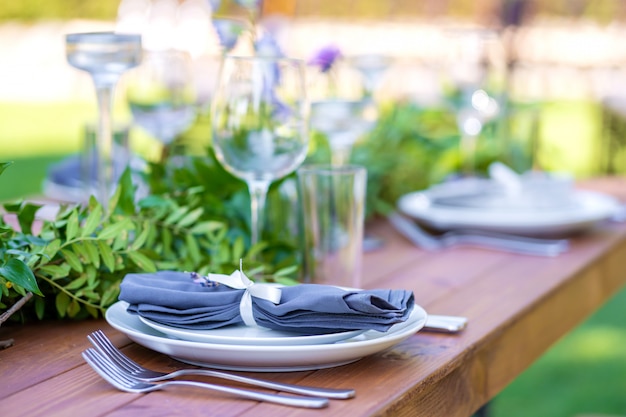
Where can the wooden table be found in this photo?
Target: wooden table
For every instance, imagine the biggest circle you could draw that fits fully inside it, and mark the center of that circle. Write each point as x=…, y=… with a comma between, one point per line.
x=517, y=307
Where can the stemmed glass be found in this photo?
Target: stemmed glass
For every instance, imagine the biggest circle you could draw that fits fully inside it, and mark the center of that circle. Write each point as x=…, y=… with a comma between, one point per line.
x=160, y=93
x=476, y=68
x=341, y=110
x=259, y=119
x=105, y=56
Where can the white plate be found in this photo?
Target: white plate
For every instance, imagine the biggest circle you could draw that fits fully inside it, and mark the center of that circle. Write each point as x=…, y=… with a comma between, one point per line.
x=246, y=335
x=269, y=358
x=585, y=209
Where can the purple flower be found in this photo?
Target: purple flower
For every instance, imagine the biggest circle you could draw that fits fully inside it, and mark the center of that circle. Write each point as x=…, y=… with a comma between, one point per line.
x=228, y=31
x=325, y=58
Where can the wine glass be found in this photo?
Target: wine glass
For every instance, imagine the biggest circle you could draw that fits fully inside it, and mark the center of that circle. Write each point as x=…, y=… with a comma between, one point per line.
x=341, y=109
x=105, y=56
x=161, y=94
x=259, y=120
x=475, y=68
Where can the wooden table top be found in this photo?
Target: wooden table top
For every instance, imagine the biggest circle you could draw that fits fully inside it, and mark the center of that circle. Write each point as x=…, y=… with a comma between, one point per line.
x=517, y=307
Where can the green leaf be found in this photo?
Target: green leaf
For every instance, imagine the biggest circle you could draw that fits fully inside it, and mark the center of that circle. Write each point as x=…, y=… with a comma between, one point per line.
x=72, y=226
x=92, y=253
x=26, y=217
x=114, y=229
x=238, y=248
x=40, y=307
x=142, y=261
x=52, y=248
x=141, y=239
x=61, y=302
x=193, y=249
x=107, y=255
x=127, y=193
x=77, y=283
x=20, y=274
x=73, y=260
x=190, y=218
x=93, y=221
x=176, y=215
x=110, y=295
x=73, y=308
x=55, y=271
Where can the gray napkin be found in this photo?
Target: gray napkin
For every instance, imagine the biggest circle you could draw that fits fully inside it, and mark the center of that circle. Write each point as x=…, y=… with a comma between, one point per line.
x=175, y=299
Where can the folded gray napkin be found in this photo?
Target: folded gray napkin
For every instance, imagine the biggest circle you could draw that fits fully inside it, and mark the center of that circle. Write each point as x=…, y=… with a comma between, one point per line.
x=180, y=300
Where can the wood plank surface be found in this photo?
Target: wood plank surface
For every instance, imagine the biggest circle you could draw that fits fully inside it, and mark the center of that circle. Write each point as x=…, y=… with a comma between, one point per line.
x=517, y=306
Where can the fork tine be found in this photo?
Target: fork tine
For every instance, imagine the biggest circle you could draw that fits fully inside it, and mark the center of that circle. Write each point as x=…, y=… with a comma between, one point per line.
x=104, y=345
x=113, y=371
x=104, y=371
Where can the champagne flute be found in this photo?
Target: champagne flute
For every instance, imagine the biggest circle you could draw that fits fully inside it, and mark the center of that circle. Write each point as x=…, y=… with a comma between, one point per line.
x=259, y=120
x=105, y=56
x=160, y=93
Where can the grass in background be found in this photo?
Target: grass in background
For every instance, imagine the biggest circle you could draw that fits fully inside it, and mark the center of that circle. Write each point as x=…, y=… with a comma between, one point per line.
x=585, y=373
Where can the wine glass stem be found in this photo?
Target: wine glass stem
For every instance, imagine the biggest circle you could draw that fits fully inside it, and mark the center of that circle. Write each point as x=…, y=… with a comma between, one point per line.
x=258, y=195
x=104, y=143
x=468, y=154
x=340, y=155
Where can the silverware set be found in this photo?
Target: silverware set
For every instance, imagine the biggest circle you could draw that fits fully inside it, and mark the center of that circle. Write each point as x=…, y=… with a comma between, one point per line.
x=126, y=375
x=498, y=241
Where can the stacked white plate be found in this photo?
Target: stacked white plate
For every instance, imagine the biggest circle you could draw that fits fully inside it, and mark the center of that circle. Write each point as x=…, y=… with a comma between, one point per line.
x=254, y=349
x=548, y=209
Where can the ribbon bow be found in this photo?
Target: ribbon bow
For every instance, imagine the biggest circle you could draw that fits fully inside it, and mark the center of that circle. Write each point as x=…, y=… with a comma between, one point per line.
x=240, y=281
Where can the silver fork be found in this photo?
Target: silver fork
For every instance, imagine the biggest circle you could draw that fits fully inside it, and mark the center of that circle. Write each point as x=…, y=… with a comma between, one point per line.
x=498, y=241
x=124, y=382
x=134, y=370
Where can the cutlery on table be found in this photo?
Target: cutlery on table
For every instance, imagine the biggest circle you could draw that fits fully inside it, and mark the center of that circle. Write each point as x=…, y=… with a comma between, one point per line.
x=136, y=371
x=444, y=324
x=124, y=382
x=489, y=240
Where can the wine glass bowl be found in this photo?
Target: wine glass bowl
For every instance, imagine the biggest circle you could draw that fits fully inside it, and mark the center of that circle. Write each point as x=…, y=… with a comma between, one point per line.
x=341, y=108
x=259, y=122
x=160, y=94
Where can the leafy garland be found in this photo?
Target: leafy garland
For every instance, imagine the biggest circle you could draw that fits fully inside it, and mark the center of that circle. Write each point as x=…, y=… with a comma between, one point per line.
x=196, y=219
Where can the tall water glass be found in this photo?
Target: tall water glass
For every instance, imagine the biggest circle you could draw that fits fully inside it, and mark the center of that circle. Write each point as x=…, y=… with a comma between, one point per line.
x=333, y=209
x=105, y=56
x=259, y=120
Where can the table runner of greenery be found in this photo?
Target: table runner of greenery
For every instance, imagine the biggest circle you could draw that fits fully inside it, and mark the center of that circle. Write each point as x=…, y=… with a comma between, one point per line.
x=195, y=218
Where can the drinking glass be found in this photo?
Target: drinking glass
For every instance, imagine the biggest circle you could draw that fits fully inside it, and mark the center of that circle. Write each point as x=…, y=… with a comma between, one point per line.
x=333, y=207
x=476, y=68
x=259, y=121
x=161, y=94
x=341, y=109
x=105, y=56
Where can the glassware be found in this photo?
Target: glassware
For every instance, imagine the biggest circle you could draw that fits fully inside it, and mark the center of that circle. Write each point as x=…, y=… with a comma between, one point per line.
x=476, y=69
x=259, y=120
x=341, y=109
x=105, y=56
x=161, y=94
x=333, y=207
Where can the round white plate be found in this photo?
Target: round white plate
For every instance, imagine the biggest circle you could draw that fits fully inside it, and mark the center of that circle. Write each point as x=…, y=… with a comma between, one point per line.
x=585, y=210
x=246, y=335
x=267, y=358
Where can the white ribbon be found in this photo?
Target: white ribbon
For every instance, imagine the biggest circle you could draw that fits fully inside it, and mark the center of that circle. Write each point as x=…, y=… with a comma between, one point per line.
x=240, y=281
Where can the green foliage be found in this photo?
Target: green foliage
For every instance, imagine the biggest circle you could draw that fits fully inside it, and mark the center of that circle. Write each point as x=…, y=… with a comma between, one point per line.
x=75, y=263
